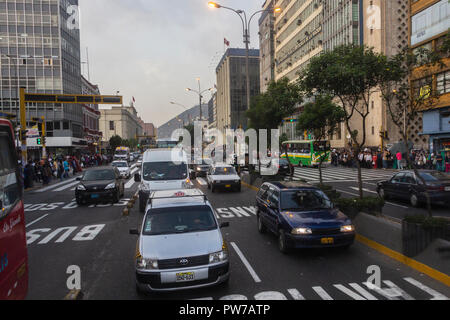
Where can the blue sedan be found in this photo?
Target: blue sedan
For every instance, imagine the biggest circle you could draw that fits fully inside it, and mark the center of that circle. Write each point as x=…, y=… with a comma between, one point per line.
x=301, y=216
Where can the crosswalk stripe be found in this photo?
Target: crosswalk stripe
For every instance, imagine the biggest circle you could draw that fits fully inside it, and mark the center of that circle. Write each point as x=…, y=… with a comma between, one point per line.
x=201, y=181
x=67, y=186
x=55, y=185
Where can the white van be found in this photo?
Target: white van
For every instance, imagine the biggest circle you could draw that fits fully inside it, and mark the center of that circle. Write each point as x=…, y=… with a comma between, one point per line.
x=162, y=169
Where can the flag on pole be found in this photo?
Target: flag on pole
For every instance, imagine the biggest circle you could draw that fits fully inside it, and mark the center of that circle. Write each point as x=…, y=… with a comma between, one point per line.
x=134, y=100
x=226, y=42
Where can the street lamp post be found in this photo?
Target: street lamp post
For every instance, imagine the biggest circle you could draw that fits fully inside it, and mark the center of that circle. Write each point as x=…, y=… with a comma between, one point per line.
x=200, y=95
x=246, y=32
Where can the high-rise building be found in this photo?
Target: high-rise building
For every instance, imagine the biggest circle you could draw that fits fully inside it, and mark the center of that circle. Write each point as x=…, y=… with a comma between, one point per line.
x=40, y=50
x=232, y=87
x=267, y=45
x=298, y=36
x=430, y=22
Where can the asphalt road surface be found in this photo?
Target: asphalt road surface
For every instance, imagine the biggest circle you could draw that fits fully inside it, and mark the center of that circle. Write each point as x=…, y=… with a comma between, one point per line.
x=96, y=239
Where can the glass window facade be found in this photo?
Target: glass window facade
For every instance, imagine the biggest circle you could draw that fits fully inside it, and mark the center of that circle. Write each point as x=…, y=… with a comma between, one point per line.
x=41, y=53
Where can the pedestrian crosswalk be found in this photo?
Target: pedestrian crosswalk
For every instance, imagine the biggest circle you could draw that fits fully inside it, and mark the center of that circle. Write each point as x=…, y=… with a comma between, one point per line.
x=331, y=174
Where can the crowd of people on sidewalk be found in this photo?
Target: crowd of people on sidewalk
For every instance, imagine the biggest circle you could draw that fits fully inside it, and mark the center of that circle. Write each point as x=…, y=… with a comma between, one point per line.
x=377, y=159
x=60, y=167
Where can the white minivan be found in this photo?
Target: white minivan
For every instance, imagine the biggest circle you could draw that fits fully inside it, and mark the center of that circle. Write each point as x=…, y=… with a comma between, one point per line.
x=162, y=169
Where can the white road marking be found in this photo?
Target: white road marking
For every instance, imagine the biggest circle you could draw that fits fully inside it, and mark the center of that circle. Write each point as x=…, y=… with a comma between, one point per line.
x=436, y=295
x=31, y=223
x=322, y=293
x=364, y=189
x=55, y=185
x=270, y=295
x=295, y=294
x=349, y=292
x=246, y=263
x=201, y=181
x=66, y=186
x=130, y=183
x=362, y=291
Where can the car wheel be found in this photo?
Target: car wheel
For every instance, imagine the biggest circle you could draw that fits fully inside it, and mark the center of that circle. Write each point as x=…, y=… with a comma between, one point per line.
x=213, y=189
x=414, y=200
x=79, y=202
x=282, y=244
x=261, y=227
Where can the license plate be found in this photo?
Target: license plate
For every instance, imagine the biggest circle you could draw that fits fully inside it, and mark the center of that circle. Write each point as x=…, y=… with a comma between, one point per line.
x=95, y=196
x=327, y=240
x=185, y=276
x=447, y=188
x=228, y=186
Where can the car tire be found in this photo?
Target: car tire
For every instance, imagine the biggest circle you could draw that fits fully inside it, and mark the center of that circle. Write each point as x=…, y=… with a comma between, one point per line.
x=79, y=202
x=414, y=200
x=213, y=189
x=282, y=243
x=261, y=227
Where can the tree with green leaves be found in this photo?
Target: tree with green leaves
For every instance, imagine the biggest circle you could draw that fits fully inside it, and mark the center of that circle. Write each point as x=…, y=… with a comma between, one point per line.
x=404, y=100
x=320, y=118
x=114, y=142
x=350, y=74
x=268, y=109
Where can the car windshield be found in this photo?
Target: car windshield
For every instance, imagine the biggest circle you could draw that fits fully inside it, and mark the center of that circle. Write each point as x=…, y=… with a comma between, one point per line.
x=120, y=164
x=95, y=175
x=304, y=200
x=179, y=220
x=121, y=153
x=224, y=171
x=154, y=171
x=434, y=176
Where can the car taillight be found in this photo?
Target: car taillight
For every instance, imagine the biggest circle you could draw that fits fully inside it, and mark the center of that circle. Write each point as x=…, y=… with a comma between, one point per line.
x=435, y=188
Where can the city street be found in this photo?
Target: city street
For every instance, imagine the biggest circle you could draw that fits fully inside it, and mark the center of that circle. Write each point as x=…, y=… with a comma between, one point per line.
x=96, y=238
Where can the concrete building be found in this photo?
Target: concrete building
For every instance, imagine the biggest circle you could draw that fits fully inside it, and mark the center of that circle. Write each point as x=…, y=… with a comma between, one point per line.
x=267, y=45
x=122, y=121
x=212, y=112
x=231, y=87
x=91, y=116
x=430, y=22
x=41, y=52
x=308, y=27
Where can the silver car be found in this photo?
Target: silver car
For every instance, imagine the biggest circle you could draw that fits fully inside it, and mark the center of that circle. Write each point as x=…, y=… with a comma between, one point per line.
x=180, y=243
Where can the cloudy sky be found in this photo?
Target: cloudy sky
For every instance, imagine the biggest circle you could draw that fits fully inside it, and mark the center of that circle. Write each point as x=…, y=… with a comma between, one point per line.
x=153, y=50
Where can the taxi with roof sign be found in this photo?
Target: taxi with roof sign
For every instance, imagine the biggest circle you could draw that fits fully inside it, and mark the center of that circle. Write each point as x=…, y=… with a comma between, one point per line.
x=180, y=243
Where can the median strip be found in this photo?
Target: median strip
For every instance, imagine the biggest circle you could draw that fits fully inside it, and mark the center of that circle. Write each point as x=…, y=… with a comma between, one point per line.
x=433, y=273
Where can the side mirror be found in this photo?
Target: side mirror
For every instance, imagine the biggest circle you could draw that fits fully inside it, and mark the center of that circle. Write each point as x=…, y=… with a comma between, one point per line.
x=224, y=225
x=134, y=232
x=137, y=177
x=78, y=179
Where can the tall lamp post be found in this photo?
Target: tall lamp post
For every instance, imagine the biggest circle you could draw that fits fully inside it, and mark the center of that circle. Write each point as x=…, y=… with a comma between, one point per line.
x=200, y=95
x=246, y=31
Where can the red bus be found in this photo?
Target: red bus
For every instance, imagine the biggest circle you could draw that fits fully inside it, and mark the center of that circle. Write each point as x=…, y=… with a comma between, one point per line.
x=13, y=243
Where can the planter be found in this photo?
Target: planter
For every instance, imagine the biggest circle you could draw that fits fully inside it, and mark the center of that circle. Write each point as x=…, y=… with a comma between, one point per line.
x=416, y=237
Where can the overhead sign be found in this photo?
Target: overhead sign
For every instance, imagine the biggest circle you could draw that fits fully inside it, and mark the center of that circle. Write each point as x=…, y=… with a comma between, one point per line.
x=72, y=98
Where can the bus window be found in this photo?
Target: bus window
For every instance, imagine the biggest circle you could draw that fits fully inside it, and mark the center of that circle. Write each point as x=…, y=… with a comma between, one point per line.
x=9, y=186
x=321, y=146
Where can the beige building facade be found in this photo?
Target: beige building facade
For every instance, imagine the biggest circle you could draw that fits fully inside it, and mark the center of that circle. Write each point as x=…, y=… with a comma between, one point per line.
x=122, y=121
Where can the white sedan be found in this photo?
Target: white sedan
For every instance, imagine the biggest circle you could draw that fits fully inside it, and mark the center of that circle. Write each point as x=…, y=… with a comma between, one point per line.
x=123, y=167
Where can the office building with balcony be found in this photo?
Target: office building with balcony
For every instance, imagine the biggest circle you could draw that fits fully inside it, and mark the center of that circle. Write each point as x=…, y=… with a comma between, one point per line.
x=267, y=45
x=40, y=51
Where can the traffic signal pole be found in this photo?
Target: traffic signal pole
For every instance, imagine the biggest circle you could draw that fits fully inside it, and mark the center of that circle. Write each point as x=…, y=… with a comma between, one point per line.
x=44, y=149
x=23, y=127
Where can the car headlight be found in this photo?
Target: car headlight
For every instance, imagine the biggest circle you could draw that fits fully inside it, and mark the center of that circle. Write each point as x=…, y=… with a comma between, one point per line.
x=301, y=231
x=218, y=256
x=81, y=187
x=348, y=228
x=199, y=169
x=110, y=186
x=146, y=264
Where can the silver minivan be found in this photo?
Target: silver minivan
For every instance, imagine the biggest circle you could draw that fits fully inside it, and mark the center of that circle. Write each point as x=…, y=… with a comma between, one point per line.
x=180, y=243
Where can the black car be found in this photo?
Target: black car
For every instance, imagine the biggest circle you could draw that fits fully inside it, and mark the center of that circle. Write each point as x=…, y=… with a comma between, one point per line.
x=200, y=170
x=99, y=185
x=406, y=186
x=282, y=165
x=302, y=216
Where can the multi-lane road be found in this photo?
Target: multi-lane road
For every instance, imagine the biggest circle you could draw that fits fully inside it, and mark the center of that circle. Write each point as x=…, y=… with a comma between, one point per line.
x=96, y=239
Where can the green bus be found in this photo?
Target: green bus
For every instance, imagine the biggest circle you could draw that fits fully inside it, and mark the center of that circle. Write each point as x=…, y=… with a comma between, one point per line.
x=307, y=153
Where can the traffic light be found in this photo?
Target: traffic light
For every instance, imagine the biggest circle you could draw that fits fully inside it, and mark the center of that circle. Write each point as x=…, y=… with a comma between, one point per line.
x=39, y=141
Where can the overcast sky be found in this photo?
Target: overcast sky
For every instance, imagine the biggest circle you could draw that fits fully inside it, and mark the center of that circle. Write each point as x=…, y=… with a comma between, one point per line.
x=153, y=50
